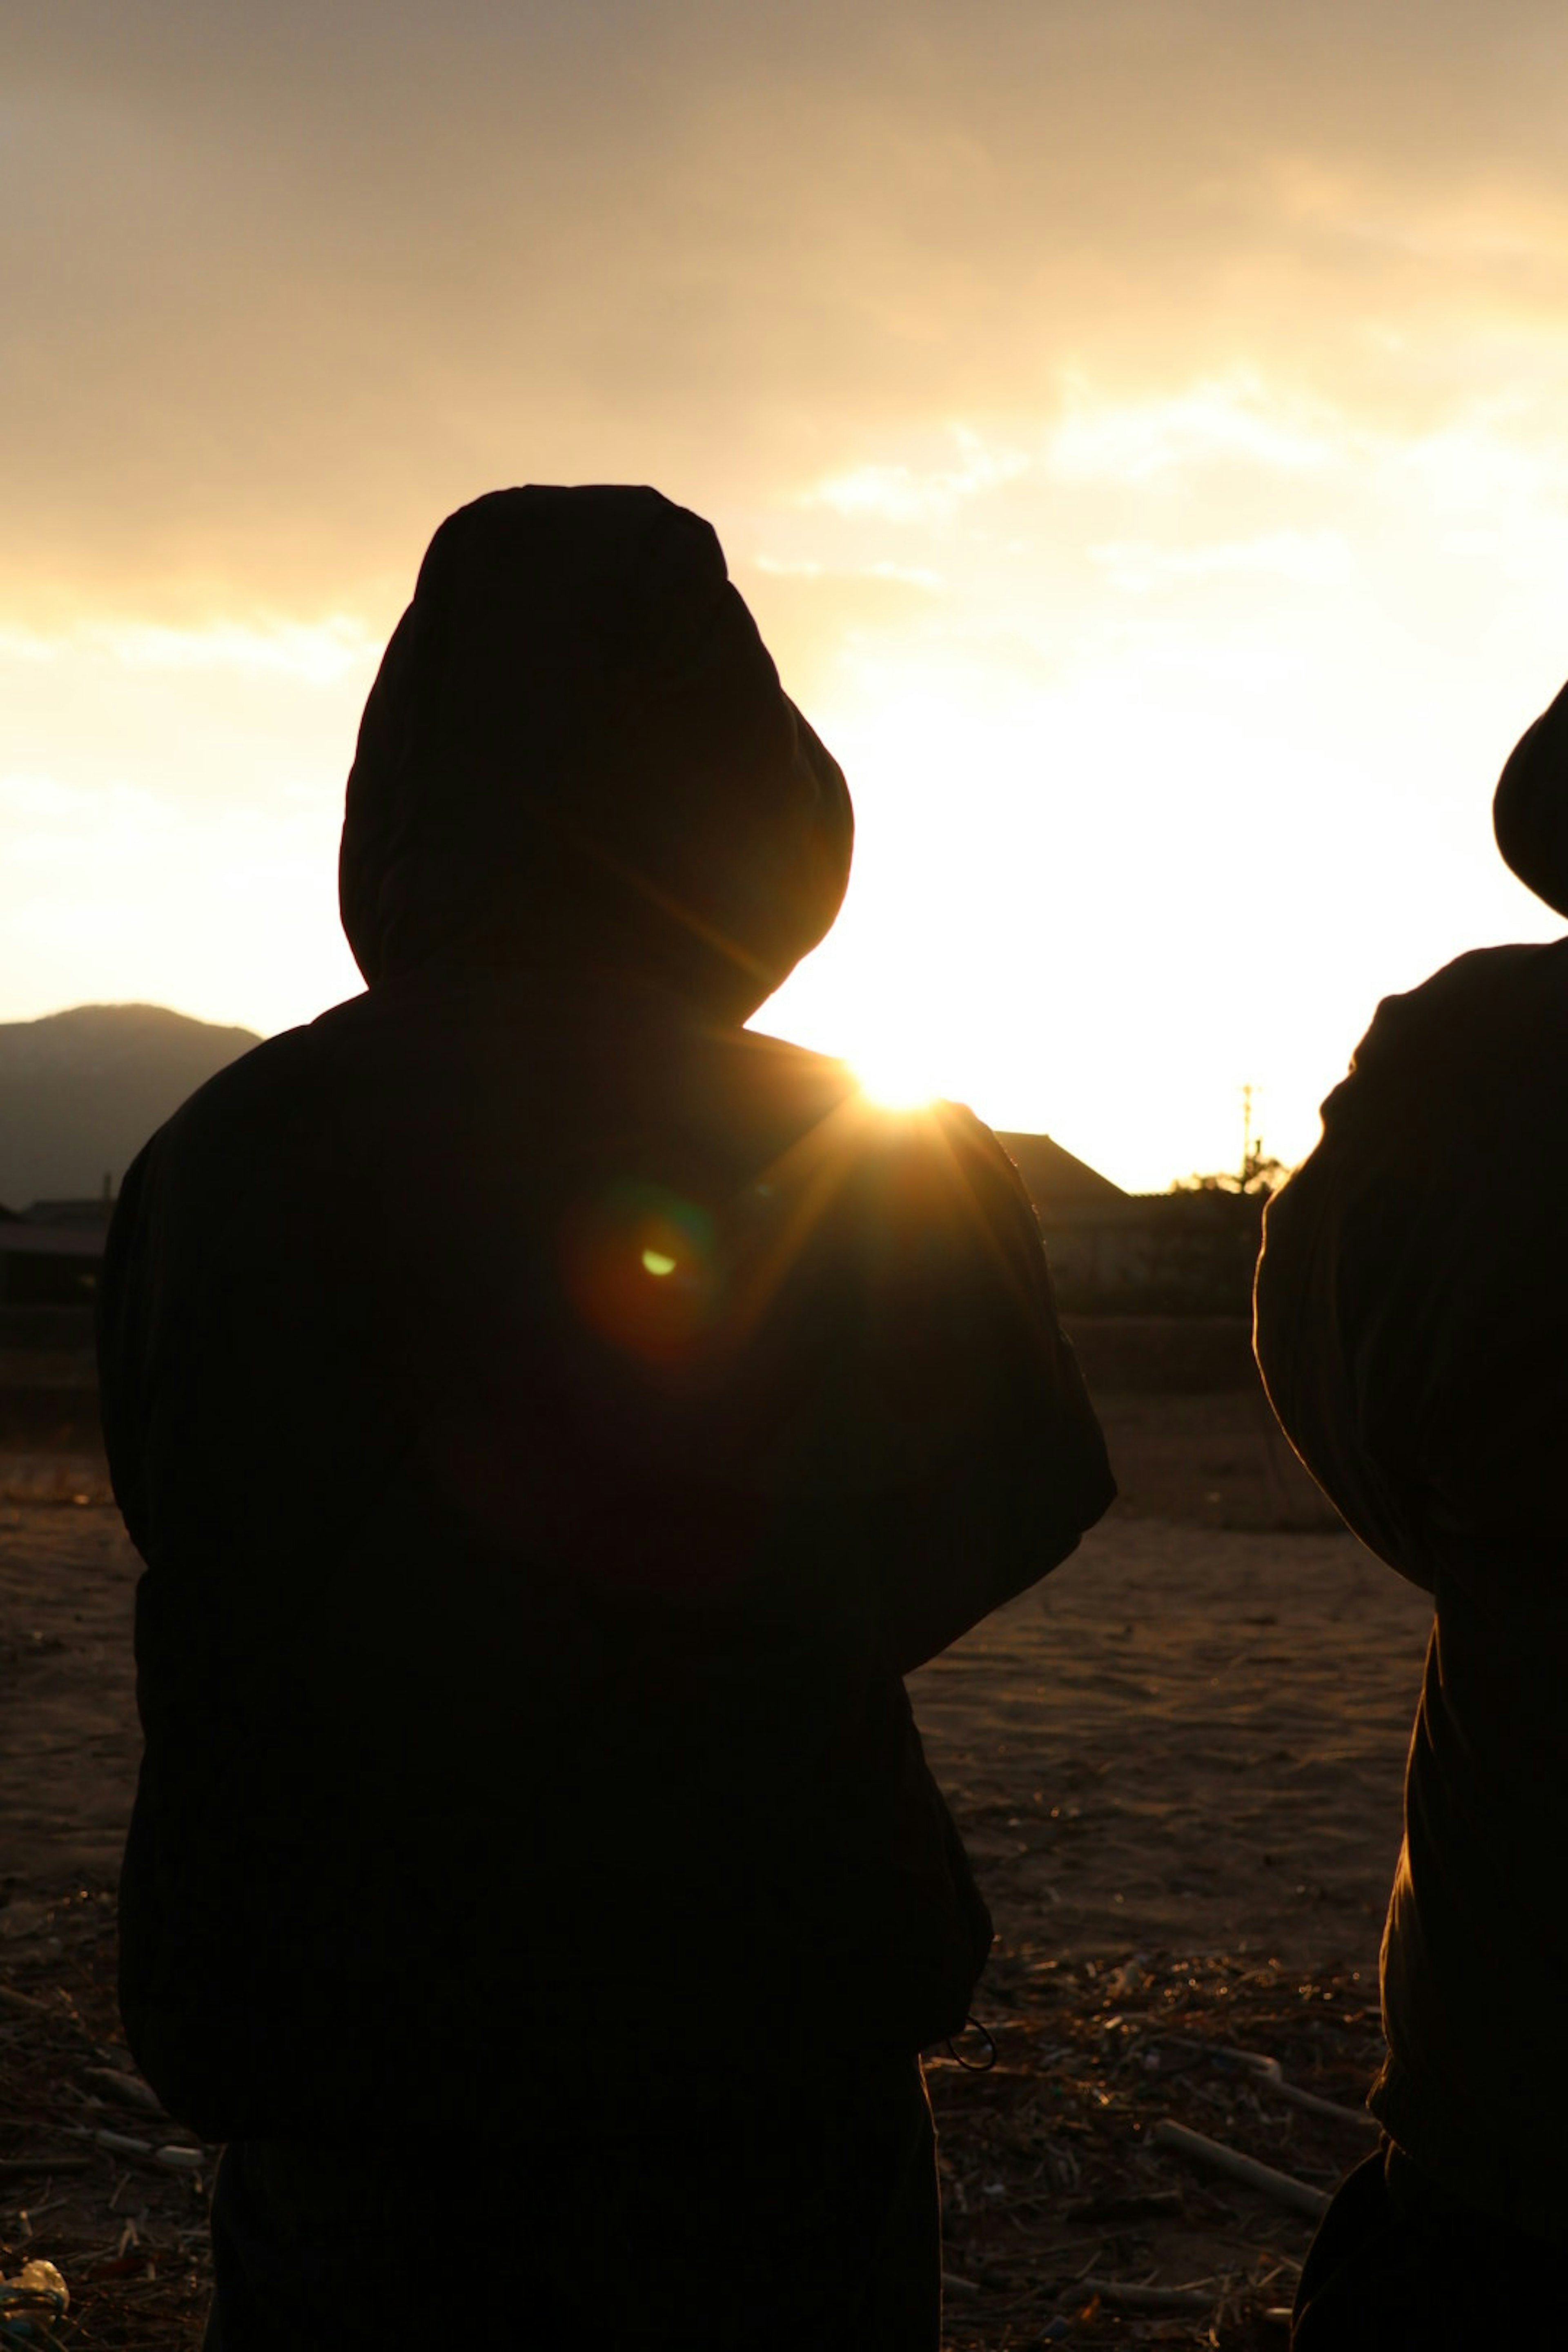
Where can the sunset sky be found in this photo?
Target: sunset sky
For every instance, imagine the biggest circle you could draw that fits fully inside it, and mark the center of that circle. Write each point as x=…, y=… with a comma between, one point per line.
x=1141, y=431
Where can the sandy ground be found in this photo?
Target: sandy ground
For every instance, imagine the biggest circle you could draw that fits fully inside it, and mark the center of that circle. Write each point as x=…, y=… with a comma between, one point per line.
x=1187, y=1738
x=1177, y=1763
x=68, y=1736
x=1191, y=1735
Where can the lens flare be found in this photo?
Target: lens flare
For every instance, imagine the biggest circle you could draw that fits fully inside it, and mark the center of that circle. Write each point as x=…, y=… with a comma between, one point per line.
x=614, y=1240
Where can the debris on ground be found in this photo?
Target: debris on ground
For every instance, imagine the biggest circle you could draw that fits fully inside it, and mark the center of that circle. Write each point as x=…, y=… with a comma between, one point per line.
x=94, y=2178
x=1070, y=2219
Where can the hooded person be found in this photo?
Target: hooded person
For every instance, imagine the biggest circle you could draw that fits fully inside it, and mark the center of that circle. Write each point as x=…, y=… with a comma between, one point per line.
x=1411, y=1303
x=553, y=1419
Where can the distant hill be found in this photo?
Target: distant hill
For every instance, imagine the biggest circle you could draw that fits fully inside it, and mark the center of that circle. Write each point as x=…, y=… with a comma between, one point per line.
x=81, y=1091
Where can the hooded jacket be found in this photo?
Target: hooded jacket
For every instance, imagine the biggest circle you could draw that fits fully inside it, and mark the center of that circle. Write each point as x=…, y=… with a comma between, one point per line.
x=554, y=1417
x=1410, y=1305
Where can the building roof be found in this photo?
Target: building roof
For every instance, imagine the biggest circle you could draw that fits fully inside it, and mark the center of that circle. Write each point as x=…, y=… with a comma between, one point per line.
x=94, y=1209
x=1057, y=1181
x=20, y=1237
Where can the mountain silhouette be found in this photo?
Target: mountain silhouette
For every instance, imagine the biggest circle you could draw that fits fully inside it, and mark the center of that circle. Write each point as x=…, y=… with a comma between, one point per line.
x=81, y=1091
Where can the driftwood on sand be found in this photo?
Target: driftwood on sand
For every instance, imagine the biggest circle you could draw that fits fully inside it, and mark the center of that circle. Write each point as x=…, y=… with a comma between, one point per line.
x=1283, y=2187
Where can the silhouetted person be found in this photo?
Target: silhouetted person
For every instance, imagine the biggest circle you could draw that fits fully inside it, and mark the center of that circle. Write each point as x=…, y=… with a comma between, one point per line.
x=1412, y=1326
x=554, y=1419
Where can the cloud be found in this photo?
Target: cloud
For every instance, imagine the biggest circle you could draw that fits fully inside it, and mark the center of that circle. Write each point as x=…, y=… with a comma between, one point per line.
x=317, y=652
x=1317, y=558
x=280, y=287
x=902, y=494
x=1134, y=423
x=904, y=575
x=1234, y=423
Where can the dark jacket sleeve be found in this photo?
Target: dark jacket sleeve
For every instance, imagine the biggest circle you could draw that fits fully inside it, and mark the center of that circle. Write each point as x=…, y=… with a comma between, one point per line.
x=947, y=1413
x=1407, y=1310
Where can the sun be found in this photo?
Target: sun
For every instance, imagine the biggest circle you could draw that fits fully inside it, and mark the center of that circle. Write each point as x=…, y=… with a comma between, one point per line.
x=894, y=1080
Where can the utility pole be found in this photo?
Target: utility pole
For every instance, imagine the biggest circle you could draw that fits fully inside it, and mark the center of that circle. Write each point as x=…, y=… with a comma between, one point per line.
x=1251, y=1148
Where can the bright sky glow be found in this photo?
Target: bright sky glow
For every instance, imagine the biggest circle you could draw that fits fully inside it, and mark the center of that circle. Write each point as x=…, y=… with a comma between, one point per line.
x=1138, y=430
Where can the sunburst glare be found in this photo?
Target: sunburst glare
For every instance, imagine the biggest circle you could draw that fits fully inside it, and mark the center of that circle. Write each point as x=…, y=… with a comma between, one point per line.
x=895, y=1078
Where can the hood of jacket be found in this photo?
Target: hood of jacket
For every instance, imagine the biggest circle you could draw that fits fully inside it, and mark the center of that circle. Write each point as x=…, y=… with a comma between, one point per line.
x=1530, y=807
x=577, y=751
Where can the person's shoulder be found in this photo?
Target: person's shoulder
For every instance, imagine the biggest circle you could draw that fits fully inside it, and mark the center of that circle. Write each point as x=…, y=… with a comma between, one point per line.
x=811, y=1086
x=769, y=1080
x=1486, y=1000
x=1442, y=1052
x=935, y=1182
x=943, y=1148
x=799, y=1125
x=267, y=1151
x=1459, y=1081
x=268, y=1104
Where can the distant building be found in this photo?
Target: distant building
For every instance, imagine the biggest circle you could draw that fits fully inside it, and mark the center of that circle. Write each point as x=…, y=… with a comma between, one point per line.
x=1116, y=1253
x=1059, y=1185
x=50, y=1254
x=96, y=1210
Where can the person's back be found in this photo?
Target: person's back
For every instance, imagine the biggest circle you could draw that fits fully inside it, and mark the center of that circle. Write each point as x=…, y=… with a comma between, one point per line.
x=553, y=1419
x=1411, y=1303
